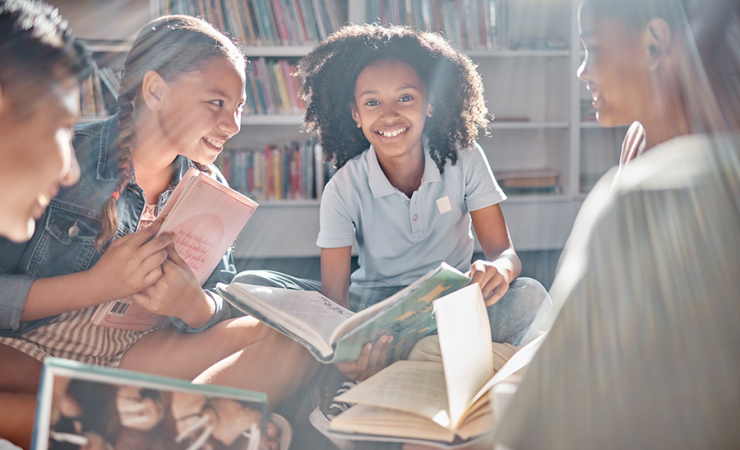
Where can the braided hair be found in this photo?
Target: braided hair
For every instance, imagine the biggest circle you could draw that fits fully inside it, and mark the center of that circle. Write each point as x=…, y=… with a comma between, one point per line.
x=173, y=46
x=453, y=86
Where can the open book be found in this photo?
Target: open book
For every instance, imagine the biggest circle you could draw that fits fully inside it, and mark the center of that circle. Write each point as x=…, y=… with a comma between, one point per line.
x=84, y=406
x=335, y=334
x=205, y=217
x=430, y=402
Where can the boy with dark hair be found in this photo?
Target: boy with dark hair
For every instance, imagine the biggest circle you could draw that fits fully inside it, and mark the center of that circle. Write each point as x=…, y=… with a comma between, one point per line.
x=41, y=67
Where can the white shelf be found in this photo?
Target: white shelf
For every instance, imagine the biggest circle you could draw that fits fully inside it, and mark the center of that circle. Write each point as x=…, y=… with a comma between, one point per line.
x=538, y=198
x=517, y=53
x=313, y=203
x=277, y=51
x=504, y=125
x=272, y=119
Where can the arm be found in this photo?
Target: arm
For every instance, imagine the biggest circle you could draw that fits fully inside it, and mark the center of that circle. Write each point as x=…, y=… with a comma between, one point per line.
x=335, y=268
x=129, y=265
x=502, y=265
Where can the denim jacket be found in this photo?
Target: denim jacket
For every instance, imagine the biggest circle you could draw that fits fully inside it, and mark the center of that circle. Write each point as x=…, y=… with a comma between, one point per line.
x=53, y=251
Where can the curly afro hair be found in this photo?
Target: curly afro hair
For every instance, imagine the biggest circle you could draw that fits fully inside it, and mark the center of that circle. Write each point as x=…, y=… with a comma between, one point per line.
x=453, y=86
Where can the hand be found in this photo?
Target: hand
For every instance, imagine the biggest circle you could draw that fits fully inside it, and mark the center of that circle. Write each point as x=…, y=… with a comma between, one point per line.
x=491, y=279
x=370, y=362
x=130, y=264
x=177, y=293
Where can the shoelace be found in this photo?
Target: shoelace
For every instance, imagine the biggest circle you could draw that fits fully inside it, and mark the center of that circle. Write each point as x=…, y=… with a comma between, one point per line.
x=341, y=406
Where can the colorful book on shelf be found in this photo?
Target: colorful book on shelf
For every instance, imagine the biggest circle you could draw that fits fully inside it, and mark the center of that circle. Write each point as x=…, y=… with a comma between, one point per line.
x=204, y=217
x=442, y=404
x=527, y=178
x=335, y=334
x=84, y=406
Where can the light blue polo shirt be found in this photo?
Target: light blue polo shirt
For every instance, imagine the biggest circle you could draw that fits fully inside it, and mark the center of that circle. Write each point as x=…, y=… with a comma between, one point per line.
x=402, y=238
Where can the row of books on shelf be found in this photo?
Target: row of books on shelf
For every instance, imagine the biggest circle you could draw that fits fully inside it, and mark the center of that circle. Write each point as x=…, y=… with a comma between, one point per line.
x=469, y=24
x=266, y=22
x=293, y=171
x=529, y=182
x=96, y=101
x=272, y=88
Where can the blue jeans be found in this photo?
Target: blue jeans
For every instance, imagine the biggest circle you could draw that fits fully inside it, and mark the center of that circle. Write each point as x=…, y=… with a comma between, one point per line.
x=514, y=319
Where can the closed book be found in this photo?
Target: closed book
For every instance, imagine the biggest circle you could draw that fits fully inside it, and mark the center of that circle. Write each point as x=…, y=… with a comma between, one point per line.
x=85, y=406
x=204, y=218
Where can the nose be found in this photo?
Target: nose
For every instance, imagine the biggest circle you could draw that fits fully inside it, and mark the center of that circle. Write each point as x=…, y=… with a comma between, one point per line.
x=73, y=171
x=389, y=112
x=231, y=122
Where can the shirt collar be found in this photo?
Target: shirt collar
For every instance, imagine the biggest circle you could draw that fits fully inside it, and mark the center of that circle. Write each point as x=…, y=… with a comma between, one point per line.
x=379, y=184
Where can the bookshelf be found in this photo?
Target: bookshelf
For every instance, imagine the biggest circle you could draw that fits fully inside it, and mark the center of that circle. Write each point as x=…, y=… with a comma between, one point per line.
x=532, y=91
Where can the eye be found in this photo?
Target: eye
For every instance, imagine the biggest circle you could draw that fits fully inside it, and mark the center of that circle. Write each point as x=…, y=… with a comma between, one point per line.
x=219, y=103
x=406, y=98
x=372, y=103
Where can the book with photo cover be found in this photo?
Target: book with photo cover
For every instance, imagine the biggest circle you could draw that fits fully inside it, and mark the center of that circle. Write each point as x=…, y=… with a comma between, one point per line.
x=205, y=218
x=84, y=406
x=335, y=334
x=441, y=404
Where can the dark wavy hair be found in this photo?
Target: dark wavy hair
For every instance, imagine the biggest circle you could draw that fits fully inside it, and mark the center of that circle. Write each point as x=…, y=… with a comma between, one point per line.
x=453, y=86
x=37, y=51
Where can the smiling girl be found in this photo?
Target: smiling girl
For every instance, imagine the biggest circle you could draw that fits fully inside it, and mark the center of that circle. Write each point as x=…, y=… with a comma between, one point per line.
x=180, y=100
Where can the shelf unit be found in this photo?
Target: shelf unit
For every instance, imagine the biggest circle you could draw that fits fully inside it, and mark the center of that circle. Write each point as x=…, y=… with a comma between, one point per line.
x=537, y=84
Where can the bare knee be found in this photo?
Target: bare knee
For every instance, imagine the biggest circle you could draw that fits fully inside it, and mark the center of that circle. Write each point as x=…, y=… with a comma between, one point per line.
x=20, y=373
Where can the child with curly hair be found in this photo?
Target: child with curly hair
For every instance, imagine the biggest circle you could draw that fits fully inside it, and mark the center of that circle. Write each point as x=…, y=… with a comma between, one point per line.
x=398, y=111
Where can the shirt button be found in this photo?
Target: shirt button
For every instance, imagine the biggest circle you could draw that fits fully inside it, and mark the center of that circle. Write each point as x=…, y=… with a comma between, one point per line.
x=408, y=201
x=416, y=217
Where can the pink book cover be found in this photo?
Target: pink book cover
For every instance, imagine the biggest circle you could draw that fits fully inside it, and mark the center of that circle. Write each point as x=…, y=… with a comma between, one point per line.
x=204, y=217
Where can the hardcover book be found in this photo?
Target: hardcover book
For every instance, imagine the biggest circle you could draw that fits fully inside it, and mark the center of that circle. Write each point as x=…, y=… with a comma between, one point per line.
x=84, y=406
x=442, y=404
x=204, y=217
x=335, y=334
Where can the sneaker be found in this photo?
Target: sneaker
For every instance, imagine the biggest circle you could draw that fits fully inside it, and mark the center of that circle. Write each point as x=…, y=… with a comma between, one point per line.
x=329, y=408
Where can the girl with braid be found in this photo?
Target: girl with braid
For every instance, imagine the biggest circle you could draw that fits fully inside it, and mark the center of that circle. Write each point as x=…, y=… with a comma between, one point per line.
x=180, y=100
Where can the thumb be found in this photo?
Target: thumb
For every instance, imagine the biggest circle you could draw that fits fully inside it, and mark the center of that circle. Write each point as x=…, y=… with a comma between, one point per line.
x=175, y=257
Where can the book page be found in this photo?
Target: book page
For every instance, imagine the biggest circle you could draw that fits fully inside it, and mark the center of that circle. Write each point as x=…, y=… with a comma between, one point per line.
x=387, y=422
x=465, y=344
x=407, y=316
x=417, y=387
x=514, y=365
x=305, y=312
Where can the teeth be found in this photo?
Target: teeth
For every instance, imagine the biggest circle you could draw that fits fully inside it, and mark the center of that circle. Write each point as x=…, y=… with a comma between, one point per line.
x=216, y=144
x=391, y=133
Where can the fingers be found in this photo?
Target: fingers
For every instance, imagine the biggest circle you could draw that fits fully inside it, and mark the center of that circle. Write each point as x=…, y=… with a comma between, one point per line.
x=173, y=256
x=144, y=235
x=378, y=355
x=496, y=293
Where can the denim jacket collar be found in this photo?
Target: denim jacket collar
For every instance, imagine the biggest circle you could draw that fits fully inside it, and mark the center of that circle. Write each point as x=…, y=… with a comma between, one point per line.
x=108, y=160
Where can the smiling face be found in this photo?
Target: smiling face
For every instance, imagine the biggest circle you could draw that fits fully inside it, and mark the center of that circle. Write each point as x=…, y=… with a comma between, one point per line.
x=202, y=110
x=615, y=70
x=37, y=157
x=391, y=108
